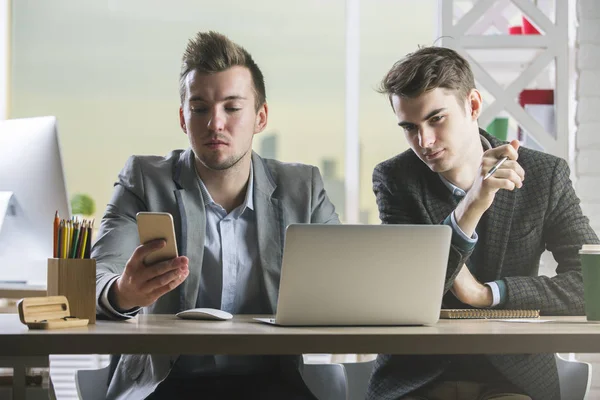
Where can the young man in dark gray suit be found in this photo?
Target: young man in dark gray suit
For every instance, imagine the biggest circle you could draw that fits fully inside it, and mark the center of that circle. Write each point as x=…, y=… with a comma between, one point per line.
x=501, y=225
x=230, y=208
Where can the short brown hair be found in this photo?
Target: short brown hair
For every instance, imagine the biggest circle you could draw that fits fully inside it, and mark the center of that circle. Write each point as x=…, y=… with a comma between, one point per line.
x=426, y=69
x=212, y=52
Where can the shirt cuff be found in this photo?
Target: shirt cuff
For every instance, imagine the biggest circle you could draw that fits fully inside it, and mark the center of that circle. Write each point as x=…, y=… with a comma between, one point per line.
x=459, y=238
x=113, y=310
x=498, y=292
x=495, y=293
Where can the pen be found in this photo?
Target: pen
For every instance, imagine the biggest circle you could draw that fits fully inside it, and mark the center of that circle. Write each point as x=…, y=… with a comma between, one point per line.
x=495, y=167
x=64, y=240
x=82, y=245
x=88, y=244
x=84, y=242
x=67, y=237
x=56, y=226
x=73, y=250
x=60, y=240
x=81, y=236
x=70, y=240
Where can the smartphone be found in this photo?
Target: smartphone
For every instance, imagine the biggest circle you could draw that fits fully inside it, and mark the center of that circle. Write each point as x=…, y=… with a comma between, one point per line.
x=157, y=225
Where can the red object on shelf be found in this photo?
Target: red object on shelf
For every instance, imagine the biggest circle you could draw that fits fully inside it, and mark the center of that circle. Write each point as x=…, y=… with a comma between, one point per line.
x=533, y=96
x=528, y=28
x=515, y=30
x=536, y=96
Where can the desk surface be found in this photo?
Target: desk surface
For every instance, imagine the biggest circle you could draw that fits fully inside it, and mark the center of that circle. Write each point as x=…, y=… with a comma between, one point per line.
x=165, y=334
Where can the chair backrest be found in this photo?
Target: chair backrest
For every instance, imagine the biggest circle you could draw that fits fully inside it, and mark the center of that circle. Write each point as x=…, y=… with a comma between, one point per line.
x=349, y=381
x=326, y=381
x=357, y=376
x=92, y=384
x=574, y=378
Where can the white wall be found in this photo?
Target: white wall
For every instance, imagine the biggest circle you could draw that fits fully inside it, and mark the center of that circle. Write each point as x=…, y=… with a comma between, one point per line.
x=4, y=56
x=588, y=110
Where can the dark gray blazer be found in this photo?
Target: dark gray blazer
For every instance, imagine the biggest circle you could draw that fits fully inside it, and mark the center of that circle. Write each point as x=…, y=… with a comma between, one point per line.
x=543, y=214
x=283, y=194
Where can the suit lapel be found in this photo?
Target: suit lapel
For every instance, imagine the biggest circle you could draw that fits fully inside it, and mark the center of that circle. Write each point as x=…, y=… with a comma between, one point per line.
x=193, y=226
x=499, y=220
x=269, y=226
x=437, y=198
x=500, y=216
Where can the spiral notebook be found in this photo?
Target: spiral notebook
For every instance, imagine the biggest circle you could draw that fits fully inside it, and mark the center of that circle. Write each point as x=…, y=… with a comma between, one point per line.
x=479, y=313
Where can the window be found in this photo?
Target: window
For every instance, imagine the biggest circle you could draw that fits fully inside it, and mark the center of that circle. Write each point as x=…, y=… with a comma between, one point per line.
x=388, y=31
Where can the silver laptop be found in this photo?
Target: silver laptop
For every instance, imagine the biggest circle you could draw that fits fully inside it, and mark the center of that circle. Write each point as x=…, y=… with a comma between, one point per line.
x=362, y=275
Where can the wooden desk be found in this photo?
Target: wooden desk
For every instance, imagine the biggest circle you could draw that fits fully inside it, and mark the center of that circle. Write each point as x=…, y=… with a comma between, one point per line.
x=165, y=334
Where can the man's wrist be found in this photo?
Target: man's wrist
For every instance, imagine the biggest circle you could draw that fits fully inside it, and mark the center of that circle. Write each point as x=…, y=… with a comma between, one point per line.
x=467, y=215
x=480, y=296
x=116, y=298
x=486, y=297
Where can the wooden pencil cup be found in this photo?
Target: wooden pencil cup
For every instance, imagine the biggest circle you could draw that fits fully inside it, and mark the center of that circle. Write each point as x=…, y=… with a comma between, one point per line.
x=75, y=279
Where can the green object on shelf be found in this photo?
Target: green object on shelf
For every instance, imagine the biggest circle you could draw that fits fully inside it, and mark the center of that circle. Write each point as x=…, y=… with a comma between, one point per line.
x=82, y=204
x=498, y=128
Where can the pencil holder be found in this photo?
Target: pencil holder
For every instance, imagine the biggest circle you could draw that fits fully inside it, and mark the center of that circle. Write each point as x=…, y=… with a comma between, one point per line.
x=75, y=279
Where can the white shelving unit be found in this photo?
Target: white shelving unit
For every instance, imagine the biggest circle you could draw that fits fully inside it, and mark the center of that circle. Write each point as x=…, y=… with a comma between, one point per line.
x=478, y=31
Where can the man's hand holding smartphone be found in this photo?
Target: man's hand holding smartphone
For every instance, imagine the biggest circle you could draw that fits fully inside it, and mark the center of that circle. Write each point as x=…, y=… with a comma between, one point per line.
x=147, y=277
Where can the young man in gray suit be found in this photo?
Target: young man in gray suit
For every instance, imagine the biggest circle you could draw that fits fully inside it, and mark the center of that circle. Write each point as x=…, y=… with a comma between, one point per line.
x=501, y=225
x=230, y=208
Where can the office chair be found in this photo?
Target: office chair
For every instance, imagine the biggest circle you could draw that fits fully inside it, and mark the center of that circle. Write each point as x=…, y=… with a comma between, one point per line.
x=357, y=378
x=92, y=384
x=575, y=378
x=325, y=381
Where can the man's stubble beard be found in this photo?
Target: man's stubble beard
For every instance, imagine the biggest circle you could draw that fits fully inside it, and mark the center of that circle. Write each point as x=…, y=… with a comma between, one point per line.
x=227, y=164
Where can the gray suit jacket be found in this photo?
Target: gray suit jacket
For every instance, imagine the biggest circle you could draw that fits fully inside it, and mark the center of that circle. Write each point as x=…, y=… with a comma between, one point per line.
x=543, y=214
x=283, y=194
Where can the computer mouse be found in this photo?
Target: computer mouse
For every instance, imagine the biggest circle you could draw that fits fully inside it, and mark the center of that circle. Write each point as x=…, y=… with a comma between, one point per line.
x=204, y=313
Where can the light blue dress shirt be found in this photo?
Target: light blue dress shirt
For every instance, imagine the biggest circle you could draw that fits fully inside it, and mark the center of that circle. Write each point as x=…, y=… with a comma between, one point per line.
x=230, y=280
x=470, y=241
x=231, y=271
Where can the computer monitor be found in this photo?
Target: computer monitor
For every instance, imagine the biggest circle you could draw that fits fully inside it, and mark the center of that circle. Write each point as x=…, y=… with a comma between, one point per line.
x=31, y=168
